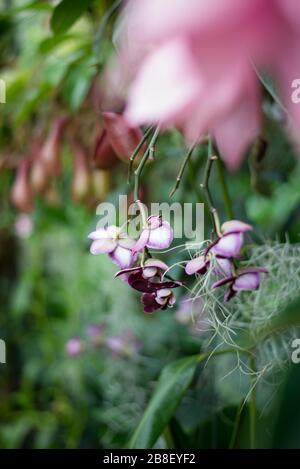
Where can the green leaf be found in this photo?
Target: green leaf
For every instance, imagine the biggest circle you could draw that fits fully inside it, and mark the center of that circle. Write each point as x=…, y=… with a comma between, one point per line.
x=66, y=13
x=172, y=384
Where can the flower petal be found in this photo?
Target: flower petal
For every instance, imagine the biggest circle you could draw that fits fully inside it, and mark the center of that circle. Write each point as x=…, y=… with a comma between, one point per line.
x=228, y=245
x=122, y=257
x=98, y=234
x=197, y=265
x=248, y=281
x=141, y=242
x=235, y=226
x=149, y=302
x=102, y=246
x=161, y=237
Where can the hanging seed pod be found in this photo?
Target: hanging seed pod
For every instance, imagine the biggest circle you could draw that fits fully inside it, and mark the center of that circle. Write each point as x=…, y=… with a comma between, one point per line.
x=101, y=184
x=21, y=193
x=123, y=138
x=81, y=184
x=104, y=156
x=39, y=177
x=50, y=152
x=52, y=197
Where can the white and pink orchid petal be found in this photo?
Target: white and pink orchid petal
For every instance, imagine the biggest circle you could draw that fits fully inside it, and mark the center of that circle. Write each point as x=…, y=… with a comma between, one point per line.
x=156, y=263
x=224, y=267
x=141, y=242
x=113, y=231
x=126, y=242
x=195, y=265
x=98, y=234
x=160, y=238
x=123, y=257
x=229, y=245
x=235, y=226
x=102, y=246
x=249, y=281
x=149, y=272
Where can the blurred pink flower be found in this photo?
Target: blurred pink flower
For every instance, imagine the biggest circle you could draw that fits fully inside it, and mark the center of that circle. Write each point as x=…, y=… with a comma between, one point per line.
x=190, y=64
x=74, y=347
x=23, y=226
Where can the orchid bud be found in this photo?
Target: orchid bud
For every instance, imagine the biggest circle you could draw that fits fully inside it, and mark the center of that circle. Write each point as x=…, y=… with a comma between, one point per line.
x=21, y=193
x=81, y=176
x=104, y=156
x=123, y=138
x=51, y=150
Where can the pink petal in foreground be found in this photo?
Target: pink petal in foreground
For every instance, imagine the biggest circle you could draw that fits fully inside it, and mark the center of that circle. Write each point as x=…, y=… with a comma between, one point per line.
x=238, y=128
x=165, y=86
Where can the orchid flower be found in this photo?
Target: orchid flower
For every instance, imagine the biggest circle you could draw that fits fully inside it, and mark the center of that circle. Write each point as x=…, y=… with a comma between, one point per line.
x=157, y=234
x=227, y=245
x=244, y=280
x=117, y=244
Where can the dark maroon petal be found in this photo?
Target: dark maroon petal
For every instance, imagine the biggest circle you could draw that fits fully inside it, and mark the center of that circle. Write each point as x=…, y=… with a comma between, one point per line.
x=229, y=294
x=127, y=271
x=219, y=283
x=138, y=282
x=149, y=303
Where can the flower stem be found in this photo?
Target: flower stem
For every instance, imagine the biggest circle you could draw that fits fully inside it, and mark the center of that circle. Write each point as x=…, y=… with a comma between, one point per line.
x=182, y=168
x=225, y=192
x=205, y=187
x=136, y=152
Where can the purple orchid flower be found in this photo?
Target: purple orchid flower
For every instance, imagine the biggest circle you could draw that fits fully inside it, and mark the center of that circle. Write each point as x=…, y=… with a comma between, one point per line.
x=244, y=280
x=123, y=345
x=117, y=244
x=157, y=234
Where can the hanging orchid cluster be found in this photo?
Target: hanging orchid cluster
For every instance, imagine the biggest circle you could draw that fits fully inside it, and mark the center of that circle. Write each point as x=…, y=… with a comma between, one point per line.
x=145, y=276
x=149, y=276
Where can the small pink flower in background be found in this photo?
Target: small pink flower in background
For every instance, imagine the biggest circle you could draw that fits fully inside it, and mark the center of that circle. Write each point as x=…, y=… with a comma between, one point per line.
x=96, y=334
x=117, y=244
x=157, y=235
x=23, y=226
x=244, y=280
x=74, y=347
x=190, y=65
x=123, y=345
